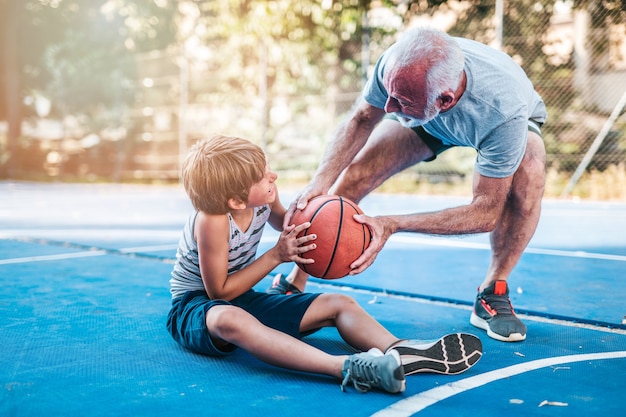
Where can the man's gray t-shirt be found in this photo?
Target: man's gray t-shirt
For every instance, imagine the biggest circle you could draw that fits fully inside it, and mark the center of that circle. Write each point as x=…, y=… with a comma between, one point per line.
x=492, y=114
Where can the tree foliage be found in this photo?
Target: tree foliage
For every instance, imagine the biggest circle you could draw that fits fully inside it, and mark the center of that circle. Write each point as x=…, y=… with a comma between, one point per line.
x=78, y=53
x=300, y=41
x=83, y=54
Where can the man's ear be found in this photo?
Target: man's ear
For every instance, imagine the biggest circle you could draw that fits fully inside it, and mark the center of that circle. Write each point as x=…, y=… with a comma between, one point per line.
x=236, y=204
x=447, y=100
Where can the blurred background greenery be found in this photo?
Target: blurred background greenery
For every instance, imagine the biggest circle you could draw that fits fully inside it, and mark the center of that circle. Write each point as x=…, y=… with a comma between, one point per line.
x=117, y=90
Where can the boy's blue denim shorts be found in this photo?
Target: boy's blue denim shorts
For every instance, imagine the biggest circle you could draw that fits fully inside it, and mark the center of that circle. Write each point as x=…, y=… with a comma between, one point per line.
x=186, y=320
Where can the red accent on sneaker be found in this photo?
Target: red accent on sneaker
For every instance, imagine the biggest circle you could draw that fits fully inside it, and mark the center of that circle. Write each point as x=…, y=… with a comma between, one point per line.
x=500, y=288
x=492, y=312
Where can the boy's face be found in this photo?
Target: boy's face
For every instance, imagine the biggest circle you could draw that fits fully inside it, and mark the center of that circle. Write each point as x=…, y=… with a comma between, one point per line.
x=264, y=191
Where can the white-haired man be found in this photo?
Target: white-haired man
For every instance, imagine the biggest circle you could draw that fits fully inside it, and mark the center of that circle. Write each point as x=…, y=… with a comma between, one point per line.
x=429, y=92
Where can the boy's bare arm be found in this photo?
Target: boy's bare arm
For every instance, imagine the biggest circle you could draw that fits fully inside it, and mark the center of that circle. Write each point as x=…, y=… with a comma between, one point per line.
x=212, y=232
x=278, y=213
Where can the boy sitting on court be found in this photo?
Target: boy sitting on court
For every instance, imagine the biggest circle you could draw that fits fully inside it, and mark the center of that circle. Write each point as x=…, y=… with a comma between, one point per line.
x=214, y=308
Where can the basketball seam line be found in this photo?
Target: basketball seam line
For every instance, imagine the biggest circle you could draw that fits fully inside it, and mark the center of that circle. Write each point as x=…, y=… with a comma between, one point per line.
x=337, y=238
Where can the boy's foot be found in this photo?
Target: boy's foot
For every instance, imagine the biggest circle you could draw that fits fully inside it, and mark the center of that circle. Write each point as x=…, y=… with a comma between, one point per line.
x=280, y=285
x=452, y=354
x=493, y=312
x=373, y=369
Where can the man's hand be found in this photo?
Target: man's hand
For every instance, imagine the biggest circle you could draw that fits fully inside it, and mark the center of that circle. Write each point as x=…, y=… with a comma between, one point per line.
x=381, y=230
x=301, y=201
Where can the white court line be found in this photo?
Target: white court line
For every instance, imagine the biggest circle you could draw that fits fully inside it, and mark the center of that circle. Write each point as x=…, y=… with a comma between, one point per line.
x=271, y=238
x=110, y=233
x=453, y=243
x=62, y=256
x=409, y=406
x=52, y=257
x=154, y=248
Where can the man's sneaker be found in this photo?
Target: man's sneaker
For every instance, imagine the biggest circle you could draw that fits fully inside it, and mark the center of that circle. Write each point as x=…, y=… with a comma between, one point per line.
x=373, y=369
x=493, y=312
x=452, y=354
x=280, y=285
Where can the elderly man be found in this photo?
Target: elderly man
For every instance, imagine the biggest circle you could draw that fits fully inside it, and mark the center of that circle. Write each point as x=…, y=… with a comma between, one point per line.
x=430, y=92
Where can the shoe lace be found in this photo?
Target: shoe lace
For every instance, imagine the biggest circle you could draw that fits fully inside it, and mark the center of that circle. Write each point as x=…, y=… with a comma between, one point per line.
x=500, y=303
x=362, y=373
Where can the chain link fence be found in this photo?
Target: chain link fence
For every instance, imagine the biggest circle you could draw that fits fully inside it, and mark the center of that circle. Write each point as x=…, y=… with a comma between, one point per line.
x=577, y=62
x=576, y=57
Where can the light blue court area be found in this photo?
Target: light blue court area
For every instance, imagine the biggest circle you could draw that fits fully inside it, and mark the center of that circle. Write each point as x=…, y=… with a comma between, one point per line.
x=84, y=294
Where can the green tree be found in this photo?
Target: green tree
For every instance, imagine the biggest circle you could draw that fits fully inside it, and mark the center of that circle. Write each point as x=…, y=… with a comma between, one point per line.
x=262, y=50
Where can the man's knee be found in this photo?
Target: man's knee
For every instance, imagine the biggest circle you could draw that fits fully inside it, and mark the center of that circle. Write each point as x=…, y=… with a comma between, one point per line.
x=530, y=178
x=350, y=183
x=391, y=148
x=535, y=160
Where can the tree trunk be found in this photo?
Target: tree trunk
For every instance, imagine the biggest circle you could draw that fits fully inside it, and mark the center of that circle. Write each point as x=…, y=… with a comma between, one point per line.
x=11, y=75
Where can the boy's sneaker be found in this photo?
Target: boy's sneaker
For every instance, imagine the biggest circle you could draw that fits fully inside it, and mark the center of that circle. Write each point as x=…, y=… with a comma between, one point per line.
x=280, y=285
x=493, y=312
x=373, y=369
x=452, y=354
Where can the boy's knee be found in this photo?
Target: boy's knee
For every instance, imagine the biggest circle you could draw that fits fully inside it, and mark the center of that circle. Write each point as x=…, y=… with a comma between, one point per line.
x=223, y=320
x=339, y=302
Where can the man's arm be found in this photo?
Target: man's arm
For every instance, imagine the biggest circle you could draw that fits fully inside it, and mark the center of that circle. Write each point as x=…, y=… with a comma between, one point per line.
x=479, y=216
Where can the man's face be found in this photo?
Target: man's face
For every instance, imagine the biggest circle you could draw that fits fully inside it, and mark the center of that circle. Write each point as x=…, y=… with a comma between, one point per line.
x=430, y=112
x=408, y=98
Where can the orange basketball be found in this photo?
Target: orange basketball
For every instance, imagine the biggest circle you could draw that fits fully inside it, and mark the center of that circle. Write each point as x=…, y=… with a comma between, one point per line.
x=340, y=238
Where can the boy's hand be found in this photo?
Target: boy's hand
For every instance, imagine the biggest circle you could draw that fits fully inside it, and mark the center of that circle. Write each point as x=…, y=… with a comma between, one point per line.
x=290, y=246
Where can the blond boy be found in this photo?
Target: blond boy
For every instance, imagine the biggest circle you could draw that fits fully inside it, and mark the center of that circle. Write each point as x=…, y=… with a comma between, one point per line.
x=215, y=309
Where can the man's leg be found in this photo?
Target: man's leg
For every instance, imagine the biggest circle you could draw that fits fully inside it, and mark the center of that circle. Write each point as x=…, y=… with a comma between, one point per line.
x=390, y=149
x=521, y=213
x=492, y=310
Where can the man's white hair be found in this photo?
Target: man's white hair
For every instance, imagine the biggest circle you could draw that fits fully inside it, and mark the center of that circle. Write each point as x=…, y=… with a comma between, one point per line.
x=439, y=51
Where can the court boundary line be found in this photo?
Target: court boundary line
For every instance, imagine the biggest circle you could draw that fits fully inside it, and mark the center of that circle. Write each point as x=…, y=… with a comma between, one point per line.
x=416, y=403
x=450, y=242
x=457, y=243
x=529, y=314
x=60, y=256
x=467, y=304
x=88, y=249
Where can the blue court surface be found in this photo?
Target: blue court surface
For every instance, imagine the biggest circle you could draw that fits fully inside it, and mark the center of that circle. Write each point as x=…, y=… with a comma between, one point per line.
x=84, y=296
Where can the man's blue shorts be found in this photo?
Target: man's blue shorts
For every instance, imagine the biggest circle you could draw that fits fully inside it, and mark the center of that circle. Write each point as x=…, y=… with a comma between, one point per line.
x=437, y=146
x=187, y=325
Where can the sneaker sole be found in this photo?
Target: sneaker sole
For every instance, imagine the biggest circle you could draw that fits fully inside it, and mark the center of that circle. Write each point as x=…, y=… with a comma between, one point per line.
x=450, y=355
x=482, y=324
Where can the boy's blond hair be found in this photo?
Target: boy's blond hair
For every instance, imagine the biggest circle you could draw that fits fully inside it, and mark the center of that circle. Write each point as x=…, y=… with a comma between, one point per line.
x=219, y=168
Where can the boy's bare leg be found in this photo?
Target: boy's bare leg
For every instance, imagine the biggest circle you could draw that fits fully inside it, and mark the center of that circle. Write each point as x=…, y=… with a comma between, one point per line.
x=298, y=278
x=355, y=325
x=240, y=328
